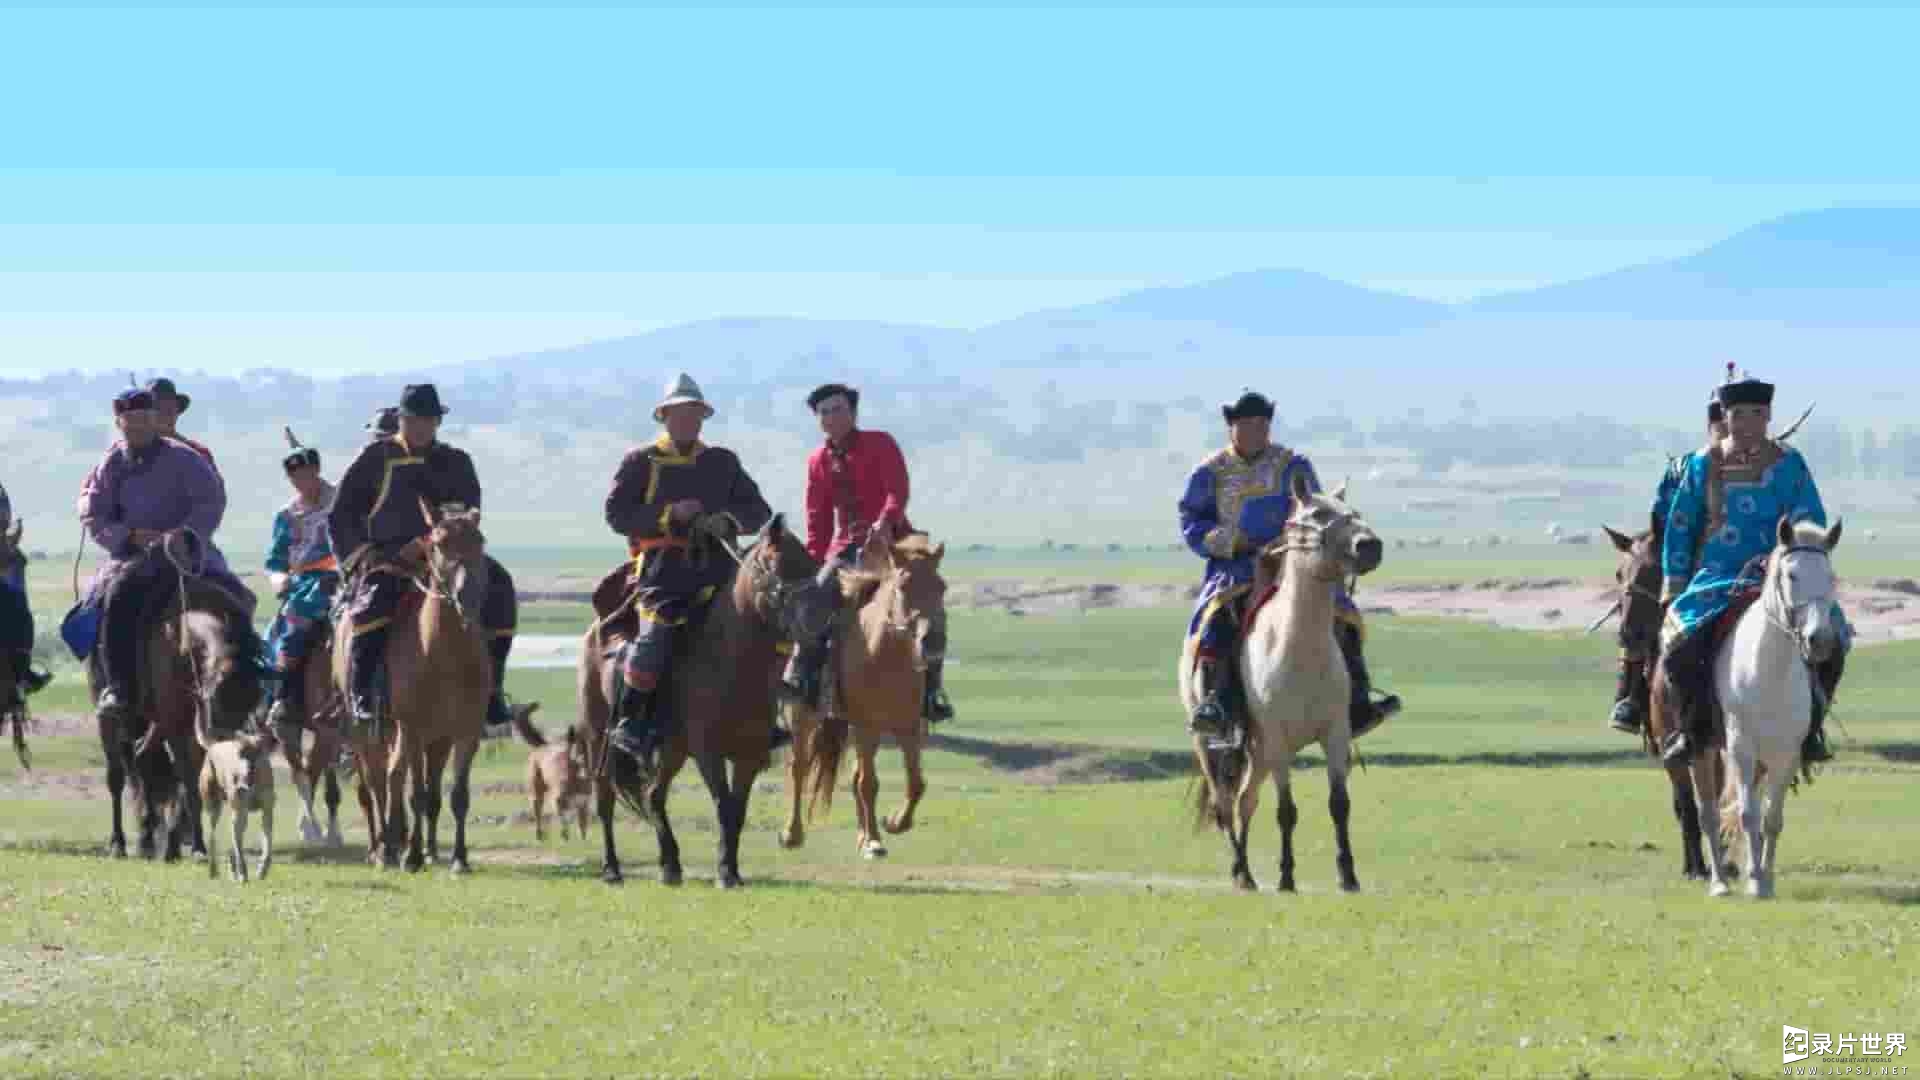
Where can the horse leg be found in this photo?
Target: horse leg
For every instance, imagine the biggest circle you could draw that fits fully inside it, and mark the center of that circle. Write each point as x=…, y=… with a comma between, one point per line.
x=186, y=767
x=213, y=849
x=1706, y=797
x=394, y=804
x=866, y=794
x=916, y=784
x=801, y=722
x=116, y=784
x=1751, y=793
x=1775, y=822
x=266, y=838
x=369, y=807
x=429, y=787
x=1340, y=806
x=1240, y=829
x=609, y=856
x=671, y=759
x=462, y=799
x=713, y=771
x=1693, y=865
x=1287, y=815
x=291, y=743
x=334, y=839
x=742, y=791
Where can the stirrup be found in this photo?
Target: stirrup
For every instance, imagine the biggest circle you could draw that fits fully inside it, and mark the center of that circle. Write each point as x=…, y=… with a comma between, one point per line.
x=1678, y=747
x=1624, y=718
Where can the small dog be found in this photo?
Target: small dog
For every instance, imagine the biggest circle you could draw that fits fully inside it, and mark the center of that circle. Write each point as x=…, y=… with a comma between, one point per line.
x=238, y=770
x=559, y=770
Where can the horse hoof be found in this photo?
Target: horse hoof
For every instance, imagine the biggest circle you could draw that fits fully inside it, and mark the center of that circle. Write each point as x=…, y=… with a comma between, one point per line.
x=1730, y=872
x=1285, y=886
x=875, y=851
x=334, y=839
x=894, y=826
x=611, y=875
x=1244, y=882
x=728, y=881
x=792, y=838
x=1718, y=888
x=1350, y=886
x=414, y=866
x=117, y=850
x=459, y=868
x=671, y=876
x=310, y=833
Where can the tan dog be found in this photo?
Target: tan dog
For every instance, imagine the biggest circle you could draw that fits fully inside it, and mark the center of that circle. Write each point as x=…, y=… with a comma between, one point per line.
x=238, y=770
x=559, y=770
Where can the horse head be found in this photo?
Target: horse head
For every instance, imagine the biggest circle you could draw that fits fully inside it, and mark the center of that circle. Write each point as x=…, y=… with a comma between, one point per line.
x=457, y=565
x=1638, y=577
x=1332, y=537
x=1800, y=586
x=918, y=600
x=787, y=588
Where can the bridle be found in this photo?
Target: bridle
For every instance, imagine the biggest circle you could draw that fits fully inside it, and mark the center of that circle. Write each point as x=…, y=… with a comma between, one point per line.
x=1783, y=615
x=899, y=619
x=1310, y=537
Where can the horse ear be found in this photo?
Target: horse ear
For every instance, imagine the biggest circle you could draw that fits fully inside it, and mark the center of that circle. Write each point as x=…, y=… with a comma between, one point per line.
x=1340, y=493
x=1298, y=486
x=939, y=552
x=777, y=527
x=1833, y=534
x=1784, y=533
x=1621, y=541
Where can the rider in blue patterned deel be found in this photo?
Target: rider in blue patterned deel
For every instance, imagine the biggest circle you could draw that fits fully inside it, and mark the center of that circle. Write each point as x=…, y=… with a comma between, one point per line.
x=1236, y=502
x=1632, y=689
x=1720, y=530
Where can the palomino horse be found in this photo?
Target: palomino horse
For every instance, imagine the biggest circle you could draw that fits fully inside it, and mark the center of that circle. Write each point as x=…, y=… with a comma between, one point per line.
x=1641, y=612
x=314, y=755
x=13, y=703
x=1297, y=688
x=200, y=654
x=1764, y=683
x=721, y=693
x=881, y=656
x=438, y=679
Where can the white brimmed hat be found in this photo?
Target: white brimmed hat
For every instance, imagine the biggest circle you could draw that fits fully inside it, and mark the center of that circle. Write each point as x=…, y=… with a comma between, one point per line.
x=682, y=391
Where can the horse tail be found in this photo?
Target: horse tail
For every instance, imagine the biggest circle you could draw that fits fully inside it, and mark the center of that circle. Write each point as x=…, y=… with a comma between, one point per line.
x=19, y=718
x=827, y=746
x=523, y=727
x=1731, y=829
x=1219, y=774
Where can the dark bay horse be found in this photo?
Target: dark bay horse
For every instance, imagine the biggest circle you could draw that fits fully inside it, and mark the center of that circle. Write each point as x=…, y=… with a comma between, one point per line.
x=13, y=703
x=200, y=654
x=438, y=680
x=721, y=693
x=1639, y=578
x=880, y=660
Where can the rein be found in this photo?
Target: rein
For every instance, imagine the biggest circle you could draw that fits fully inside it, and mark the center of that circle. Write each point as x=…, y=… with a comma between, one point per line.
x=1307, y=538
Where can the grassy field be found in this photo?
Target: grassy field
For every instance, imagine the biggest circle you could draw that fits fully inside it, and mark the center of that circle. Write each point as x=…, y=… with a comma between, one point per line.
x=1053, y=914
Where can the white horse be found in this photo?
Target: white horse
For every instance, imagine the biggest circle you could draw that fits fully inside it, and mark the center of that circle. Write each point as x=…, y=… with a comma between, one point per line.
x=1297, y=688
x=1765, y=688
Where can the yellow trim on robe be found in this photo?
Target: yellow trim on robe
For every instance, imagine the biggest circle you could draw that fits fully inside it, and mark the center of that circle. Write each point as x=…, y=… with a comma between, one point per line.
x=671, y=455
x=386, y=481
x=372, y=626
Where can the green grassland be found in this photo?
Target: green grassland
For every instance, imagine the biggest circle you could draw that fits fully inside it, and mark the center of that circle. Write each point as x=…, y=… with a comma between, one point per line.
x=1053, y=914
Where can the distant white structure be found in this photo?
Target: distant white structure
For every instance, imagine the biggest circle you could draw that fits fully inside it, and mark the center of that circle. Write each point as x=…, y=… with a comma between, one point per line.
x=1554, y=531
x=1873, y=535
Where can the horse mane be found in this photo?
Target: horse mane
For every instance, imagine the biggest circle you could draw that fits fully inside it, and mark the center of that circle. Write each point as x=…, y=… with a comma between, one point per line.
x=858, y=586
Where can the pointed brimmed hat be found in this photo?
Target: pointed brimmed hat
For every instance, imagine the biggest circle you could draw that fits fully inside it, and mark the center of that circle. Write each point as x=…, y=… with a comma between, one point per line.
x=682, y=391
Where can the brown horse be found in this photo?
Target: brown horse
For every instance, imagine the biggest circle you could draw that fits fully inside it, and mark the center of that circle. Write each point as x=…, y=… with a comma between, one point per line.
x=881, y=656
x=13, y=703
x=200, y=654
x=1638, y=577
x=314, y=754
x=438, y=679
x=721, y=693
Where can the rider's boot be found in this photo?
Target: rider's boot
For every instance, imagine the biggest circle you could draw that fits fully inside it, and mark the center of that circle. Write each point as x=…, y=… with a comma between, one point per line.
x=1209, y=716
x=499, y=716
x=1629, y=697
x=1825, y=682
x=364, y=656
x=633, y=733
x=1364, y=712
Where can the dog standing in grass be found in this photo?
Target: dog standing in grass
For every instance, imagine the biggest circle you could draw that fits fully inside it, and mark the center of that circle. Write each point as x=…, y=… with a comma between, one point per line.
x=238, y=770
x=559, y=770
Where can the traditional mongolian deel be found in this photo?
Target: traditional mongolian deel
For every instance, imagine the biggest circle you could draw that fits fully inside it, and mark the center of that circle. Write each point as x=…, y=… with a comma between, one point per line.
x=166, y=485
x=851, y=488
x=1232, y=508
x=672, y=573
x=1725, y=512
x=303, y=550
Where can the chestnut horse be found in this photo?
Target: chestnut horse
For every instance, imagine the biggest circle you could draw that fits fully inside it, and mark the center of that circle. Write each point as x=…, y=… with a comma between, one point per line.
x=438, y=679
x=200, y=653
x=1639, y=578
x=881, y=653
x=721, y=693
x=314, y=755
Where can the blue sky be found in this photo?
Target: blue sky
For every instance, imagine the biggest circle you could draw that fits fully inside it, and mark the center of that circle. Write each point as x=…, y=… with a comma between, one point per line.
x=360, y=188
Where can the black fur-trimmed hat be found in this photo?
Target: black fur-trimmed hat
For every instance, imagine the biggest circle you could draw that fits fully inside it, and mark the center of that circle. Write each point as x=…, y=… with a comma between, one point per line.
x=1247, y=404
x=1745, y=391
x=827, y=390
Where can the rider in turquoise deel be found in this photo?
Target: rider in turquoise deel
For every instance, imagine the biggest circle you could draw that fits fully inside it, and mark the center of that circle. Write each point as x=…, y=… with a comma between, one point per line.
x=1720, y=530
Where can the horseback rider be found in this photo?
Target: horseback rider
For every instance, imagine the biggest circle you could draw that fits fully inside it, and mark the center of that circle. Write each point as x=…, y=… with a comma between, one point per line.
x=1237, y=501
x=1634, y=686
x=678, y=501
x=1719, y=533
x=377, y=521
x=385, y=423
x=856, y=494
x=150, y=492
x=16, y=616
x=305, y=575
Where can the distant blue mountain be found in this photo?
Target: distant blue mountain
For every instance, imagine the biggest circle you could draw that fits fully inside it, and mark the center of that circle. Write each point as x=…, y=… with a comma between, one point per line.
x=1268, y=302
